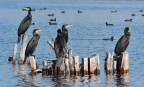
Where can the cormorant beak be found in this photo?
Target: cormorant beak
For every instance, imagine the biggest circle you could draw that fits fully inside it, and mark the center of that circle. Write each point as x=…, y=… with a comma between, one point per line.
x=26, y=9
x=39, y=30
x=68, y=25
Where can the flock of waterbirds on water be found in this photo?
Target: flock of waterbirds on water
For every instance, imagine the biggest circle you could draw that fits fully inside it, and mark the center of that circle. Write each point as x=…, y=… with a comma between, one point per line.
x=61, y=40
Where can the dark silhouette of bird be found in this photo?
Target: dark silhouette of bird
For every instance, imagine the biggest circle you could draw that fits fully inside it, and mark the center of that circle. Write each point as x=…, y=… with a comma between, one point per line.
x=107, y=24
x=65, y=31
x=25, y=24
x=60, y=45
x=128, y=20
x=50, y=23
x=31, y=46
x=123, y=42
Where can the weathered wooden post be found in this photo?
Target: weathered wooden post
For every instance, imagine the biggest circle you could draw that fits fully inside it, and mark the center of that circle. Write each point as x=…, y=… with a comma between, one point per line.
x=51, y=44
x=33, y=65
x=14, y=53
x=71, y=62
x=124, y=63
x=93, y=65
x=84, y=66
x=67, y=68
x=76, y=65
x=23, y=47
x=109, y=63
x=45, y=68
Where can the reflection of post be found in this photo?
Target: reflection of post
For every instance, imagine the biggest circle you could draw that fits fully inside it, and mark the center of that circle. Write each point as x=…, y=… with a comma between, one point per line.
x=14, y=53
x=23, y=47
x=22, y=69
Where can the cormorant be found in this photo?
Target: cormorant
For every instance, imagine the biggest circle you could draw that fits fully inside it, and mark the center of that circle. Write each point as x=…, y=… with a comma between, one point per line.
x=24, y=25
x=60, y=45
x=30, y=49
x=65, y=31
x=123, y=42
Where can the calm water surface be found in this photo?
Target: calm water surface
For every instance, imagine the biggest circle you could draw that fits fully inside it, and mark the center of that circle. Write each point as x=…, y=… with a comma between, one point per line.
x=85, y=38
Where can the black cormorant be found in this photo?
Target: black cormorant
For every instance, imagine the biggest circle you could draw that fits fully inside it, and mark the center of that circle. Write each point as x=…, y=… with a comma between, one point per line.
x=30, y=49
x=123, y=42
x=65, y=31
x=60, y=45
x=24, y=25
x=107, y=24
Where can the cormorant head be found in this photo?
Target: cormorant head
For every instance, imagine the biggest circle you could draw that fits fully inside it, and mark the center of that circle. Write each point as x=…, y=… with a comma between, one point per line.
x=36, y=31
x=65, y=26
x=27, y=9
x=59, y=31
x=126, y=30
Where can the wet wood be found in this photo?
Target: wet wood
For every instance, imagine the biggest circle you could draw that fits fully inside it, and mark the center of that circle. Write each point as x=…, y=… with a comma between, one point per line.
x=23, y=48
x=32, y=62
x=51, y=44
x=84, y=66
x=97, y=69
x=45, y=68
x=71, y=62
x=76, y=65
x=109, y=63
x=14, y=53
x=124, y=63
x=67, y=69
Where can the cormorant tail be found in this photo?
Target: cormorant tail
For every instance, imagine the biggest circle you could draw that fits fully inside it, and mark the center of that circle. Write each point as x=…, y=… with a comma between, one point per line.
x=19, y=38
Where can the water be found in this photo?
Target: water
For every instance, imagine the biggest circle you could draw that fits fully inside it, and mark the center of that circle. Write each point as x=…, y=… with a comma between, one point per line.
x=85, y=38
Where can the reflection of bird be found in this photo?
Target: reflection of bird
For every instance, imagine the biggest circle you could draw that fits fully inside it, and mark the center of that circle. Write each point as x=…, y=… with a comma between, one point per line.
x=60, y=45
x=65, y=31
x=26, y=22
x=30, y=49
x=123, y=42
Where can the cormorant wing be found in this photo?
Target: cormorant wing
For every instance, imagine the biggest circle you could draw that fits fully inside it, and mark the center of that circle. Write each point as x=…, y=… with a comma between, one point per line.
x=31, y=45
x=24, y=25
x=122, y=44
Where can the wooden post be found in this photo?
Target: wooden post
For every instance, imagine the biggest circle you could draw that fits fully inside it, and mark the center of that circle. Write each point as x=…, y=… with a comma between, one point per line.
x=76, y=65
x=93, y=65
x=84, y=66
x=124, y=63
x=109, y=63
x=14, y=53
x=67, y=69
x=33, y=65
x=54, y=67
x=23, y=48
x=51, y=44
x=45, y=68
x=71, y=62
x=97, y=64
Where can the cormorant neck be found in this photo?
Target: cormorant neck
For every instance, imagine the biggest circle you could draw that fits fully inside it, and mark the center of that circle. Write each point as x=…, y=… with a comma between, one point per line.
x=29, y=12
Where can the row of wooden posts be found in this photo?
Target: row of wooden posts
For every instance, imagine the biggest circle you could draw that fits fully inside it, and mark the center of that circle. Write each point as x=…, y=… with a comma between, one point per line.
x=71, y=65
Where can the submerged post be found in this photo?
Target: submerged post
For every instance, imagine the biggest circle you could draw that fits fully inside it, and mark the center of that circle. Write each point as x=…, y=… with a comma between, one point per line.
x=14, y=53
x=124, y=63
x=71, y=61
x=76, y=65
x=23, y=48
x=109, y=63
x=84, y=66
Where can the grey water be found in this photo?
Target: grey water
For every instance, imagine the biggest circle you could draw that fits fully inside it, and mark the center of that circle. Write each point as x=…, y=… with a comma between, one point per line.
x=85, y=39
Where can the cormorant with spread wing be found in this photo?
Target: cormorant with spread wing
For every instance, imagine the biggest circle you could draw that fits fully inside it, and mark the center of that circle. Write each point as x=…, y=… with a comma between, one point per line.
x=24, y=25
x=30, y=49
x=123, y=42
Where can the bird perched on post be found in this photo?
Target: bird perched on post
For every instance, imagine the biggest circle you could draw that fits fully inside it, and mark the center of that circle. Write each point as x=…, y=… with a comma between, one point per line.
x=65, y=31
x=123, y=42
x=30, y=49
x=24, y=25
x=60, y=45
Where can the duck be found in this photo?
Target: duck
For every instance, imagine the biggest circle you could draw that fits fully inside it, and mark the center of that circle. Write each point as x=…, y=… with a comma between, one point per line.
x=50, y=23
x=62, y=11
x=128, y=20
x=109, y=24
x=53, y=19
x=79, y=11
x=51, y=14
